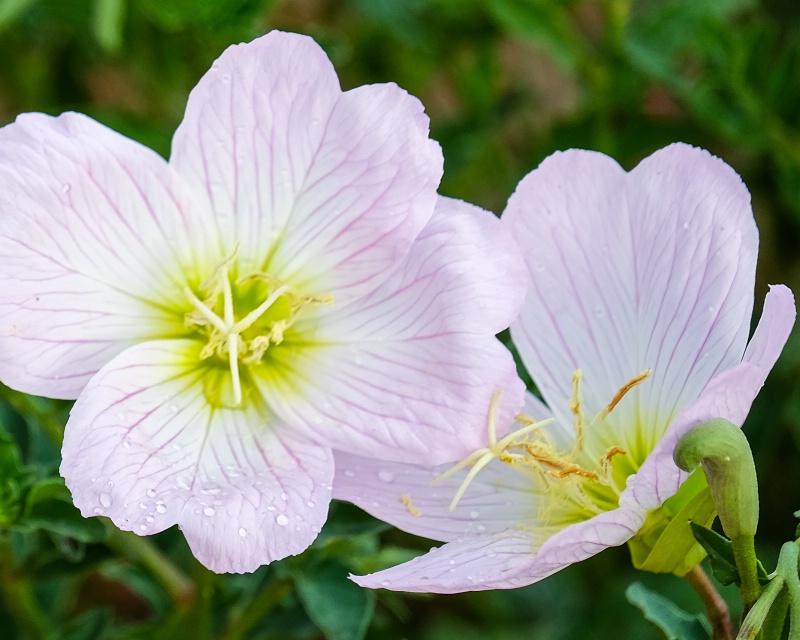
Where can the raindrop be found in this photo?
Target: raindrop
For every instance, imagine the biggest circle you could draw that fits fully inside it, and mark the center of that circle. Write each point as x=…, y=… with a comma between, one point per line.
x=151, y=493
x=242, y=532
x=161, y=507
x=270, y=508
x=385, y=476
x=473, y=514
x=209, y=511
x=310, y=504
x=150, y=518
x=126, y=443
x=685, y=225
x=142, y=505
x=142, y=527
x=283, y=497
x=105, y=500
x=282, y=520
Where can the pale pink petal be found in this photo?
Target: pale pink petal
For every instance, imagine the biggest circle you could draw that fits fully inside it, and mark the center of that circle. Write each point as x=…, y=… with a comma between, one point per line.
x=144, y=447
x=648, y=270
x=492, y=562
x=96, y=232
x=464, y=273
x=405, y=496
x=728, y=396
x=410, y=401
x=326, y=190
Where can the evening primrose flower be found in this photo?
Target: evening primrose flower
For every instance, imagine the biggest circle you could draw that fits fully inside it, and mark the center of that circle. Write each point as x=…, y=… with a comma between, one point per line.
x=288, y=283
x=634, y=329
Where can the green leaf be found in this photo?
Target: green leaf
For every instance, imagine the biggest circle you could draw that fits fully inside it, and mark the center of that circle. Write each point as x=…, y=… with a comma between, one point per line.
x=338, y=606
x=92, y=625
x=10, y=10
x=721, y=558
x=48, y=506
x=673, y=621
x=108, y=23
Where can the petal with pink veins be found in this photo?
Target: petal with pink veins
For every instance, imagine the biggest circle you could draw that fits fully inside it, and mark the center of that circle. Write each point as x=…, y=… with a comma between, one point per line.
x=728, y=396
x=97, y=235
x=652, y=269
x=144, y=447
x=322, y=188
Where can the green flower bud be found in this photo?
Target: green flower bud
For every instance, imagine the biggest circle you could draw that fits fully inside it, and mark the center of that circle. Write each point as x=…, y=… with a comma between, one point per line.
x=724, y=453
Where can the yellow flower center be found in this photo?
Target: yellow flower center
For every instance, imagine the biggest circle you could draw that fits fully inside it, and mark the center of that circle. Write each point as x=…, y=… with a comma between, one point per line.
x=236, y=340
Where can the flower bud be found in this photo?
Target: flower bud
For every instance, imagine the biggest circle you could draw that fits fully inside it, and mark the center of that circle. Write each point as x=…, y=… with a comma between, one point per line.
x=724, y=453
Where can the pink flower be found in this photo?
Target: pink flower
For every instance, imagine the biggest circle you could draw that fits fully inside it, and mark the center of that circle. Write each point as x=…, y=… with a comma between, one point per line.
x=634, y=329
x=288, y=283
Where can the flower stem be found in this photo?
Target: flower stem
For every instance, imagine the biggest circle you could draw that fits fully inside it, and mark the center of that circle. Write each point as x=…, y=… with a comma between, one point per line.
x=139, y=550
x=269, y=597
x=17, y=594
x=716, y=607
x=744, y=553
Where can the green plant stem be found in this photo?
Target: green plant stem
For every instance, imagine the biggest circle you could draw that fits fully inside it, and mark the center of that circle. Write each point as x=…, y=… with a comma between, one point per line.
x=18, y=596
x=266, y=600
x=141, y=551
x=756, y=617
x=788, y=562
x=716, y=607
x=744, y=553
x=776, y=618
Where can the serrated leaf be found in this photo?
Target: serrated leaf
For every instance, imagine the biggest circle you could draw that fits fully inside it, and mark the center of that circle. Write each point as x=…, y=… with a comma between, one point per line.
x=339, y=607
x=673, y=621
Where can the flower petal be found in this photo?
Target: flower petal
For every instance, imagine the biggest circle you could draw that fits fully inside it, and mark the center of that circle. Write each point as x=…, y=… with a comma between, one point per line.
x=464, y=273
x=405, y=496
x=326, y=190
x=491, y=562
x=407, y=401
x=144, y=447
x=728, y=395
x=96, y=232
x=648, y=270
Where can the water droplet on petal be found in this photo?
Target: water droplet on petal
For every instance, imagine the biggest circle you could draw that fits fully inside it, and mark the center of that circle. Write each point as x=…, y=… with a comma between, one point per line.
x=385, y=476
x=151, y=493
x=161, y=507
x=311, y=504
x=283, y=497
x=105, y=500
x=473, y=514
x=142, y=527
x=142, y=505
x=282, y=520
x=66, y=187
x=349, y=474
x=209, y=511
x=242, y=532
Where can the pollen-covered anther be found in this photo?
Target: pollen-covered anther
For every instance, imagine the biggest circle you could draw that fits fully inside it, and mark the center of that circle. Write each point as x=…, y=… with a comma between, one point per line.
x=605, y=461
x=623, y=391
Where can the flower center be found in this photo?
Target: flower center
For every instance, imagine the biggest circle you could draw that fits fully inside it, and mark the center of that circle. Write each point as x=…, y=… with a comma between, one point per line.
x=236, y=339
x=579, y=477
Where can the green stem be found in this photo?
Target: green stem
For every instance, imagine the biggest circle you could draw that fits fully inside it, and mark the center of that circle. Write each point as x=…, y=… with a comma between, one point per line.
x=266, y=600
x=776, y=618
x=141, y=551
x=18, y=596
x=716, y=607
x=744, y=553
x=788, y=562
x=756, y=617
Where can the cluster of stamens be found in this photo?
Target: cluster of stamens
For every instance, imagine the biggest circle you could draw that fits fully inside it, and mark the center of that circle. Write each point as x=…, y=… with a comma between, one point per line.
x=225, y=339
x=529, y=448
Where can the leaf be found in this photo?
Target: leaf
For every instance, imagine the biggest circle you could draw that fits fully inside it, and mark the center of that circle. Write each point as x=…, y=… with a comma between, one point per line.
x=338, y=606
x=10, y=10
x=48, y=506
x=673, y=621
x=108, y=22
x=92, y=625
x=721, y=558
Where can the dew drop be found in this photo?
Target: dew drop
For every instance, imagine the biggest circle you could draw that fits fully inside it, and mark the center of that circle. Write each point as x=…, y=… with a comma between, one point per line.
x=150, y=518
x=282, y=520
x=142, y=505
x=311, y=504
x=161, y=507
x=209, y=511
x=284, y=497
x=151, y=493
x=105, y=500
x=473, y=514
x=385, y=476
x=142, y=527
x=242, y=532
x=126, y=443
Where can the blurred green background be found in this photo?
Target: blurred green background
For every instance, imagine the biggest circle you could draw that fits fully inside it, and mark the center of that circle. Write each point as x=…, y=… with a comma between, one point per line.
x=505, y=82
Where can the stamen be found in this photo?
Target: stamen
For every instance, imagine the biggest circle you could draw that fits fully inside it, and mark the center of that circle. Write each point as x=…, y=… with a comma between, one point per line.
x=482, y=457
x=577, y=410
x=605, y=461
x=212, y=318
x=256, y=313
x=624, y=389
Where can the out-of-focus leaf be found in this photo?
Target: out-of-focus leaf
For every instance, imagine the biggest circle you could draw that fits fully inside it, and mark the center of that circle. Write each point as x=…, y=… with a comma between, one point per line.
x=673, y=621
x=10, y=10
x=544, y=23
x=13, y=481
x=48, y=506
x=339, y=607
x=108, y=23
x=93, y=625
